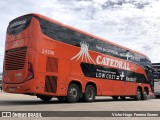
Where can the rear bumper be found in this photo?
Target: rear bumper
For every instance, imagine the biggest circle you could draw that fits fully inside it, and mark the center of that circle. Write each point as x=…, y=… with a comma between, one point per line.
x=30, y=87
x=27, y=87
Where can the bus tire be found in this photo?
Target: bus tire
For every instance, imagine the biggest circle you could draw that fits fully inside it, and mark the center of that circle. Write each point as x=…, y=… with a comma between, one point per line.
x=73, y=93
x=138, y=95
x=144, y=95
x=90, y=93
x=61, y=98
x=123, y=97
x=115, y=97
x=45, y=98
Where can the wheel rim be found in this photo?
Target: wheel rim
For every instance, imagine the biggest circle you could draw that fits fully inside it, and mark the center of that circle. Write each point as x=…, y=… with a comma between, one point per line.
x=90, y=94
x=73, y=92
x=139, y=95
x=145, y=94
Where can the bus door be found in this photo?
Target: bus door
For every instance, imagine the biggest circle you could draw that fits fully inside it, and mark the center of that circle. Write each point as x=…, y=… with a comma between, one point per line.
x=150, y=75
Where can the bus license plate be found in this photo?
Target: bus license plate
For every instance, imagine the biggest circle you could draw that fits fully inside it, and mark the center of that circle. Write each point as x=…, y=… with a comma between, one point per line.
x=12, y=89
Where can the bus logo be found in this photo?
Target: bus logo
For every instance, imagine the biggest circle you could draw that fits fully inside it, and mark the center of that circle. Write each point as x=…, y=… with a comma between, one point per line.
x=18, y=76
x=83, y=53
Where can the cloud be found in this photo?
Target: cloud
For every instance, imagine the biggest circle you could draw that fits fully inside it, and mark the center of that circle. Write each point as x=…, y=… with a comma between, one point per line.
x=139, y=4
x=131, y=23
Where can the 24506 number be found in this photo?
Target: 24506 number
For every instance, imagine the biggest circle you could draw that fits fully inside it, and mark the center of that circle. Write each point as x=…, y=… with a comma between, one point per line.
x=48, y=52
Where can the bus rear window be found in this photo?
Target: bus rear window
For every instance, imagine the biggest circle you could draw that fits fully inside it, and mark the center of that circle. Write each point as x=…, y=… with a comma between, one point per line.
x=18, y=25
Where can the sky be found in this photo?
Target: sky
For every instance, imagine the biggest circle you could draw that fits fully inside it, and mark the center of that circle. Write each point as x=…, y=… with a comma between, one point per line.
x=132, y=23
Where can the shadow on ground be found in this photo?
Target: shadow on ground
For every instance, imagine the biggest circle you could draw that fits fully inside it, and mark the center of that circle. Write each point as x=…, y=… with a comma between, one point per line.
x=55, y=101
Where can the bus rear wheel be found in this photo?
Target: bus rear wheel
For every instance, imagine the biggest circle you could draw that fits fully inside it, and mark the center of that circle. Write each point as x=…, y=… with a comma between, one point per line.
x=90, y=93
x=45, y=98
x=73, y=93
x=144, y=96
x=138, y=95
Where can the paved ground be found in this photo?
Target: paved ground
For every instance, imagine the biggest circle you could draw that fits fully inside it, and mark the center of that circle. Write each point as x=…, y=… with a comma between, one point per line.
x=16, y=102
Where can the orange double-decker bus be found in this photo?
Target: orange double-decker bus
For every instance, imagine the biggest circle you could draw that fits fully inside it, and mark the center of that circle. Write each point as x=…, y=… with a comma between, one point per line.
x=48, y=59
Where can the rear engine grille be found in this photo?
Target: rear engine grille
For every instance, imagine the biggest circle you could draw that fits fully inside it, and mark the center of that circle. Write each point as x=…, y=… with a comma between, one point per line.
x=15, y=58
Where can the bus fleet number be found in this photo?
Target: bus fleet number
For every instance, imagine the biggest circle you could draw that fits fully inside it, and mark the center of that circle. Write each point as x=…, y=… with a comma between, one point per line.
x=49, y=52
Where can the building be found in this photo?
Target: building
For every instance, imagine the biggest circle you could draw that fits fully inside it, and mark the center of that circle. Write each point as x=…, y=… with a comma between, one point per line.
x=0, y=79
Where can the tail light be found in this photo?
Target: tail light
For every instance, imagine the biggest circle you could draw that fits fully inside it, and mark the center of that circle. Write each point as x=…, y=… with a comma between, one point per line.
x=30, y=73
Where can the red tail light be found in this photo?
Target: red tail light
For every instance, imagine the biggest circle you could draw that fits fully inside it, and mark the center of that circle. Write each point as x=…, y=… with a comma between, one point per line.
x=30, y=73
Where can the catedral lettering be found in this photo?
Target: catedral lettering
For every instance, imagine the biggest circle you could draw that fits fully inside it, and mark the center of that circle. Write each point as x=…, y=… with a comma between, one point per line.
x=112, y=63
x=51, y=59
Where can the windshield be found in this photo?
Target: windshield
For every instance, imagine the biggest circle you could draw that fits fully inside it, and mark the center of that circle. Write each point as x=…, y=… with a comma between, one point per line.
x=18, y=25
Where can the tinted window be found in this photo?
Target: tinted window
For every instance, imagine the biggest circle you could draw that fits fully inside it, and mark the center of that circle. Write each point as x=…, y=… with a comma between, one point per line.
x=72, y=37
x=18, y=25
x=96, y=71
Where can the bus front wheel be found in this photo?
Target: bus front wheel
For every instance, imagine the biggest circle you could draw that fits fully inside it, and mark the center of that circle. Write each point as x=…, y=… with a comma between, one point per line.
x=73, y=93
x=90, y=92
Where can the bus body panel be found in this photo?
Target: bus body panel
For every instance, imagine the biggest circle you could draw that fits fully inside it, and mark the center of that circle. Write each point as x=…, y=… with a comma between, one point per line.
x=51, y=65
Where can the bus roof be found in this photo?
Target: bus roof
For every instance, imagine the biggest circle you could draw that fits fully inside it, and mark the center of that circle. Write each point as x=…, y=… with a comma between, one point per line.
x=83, y=32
